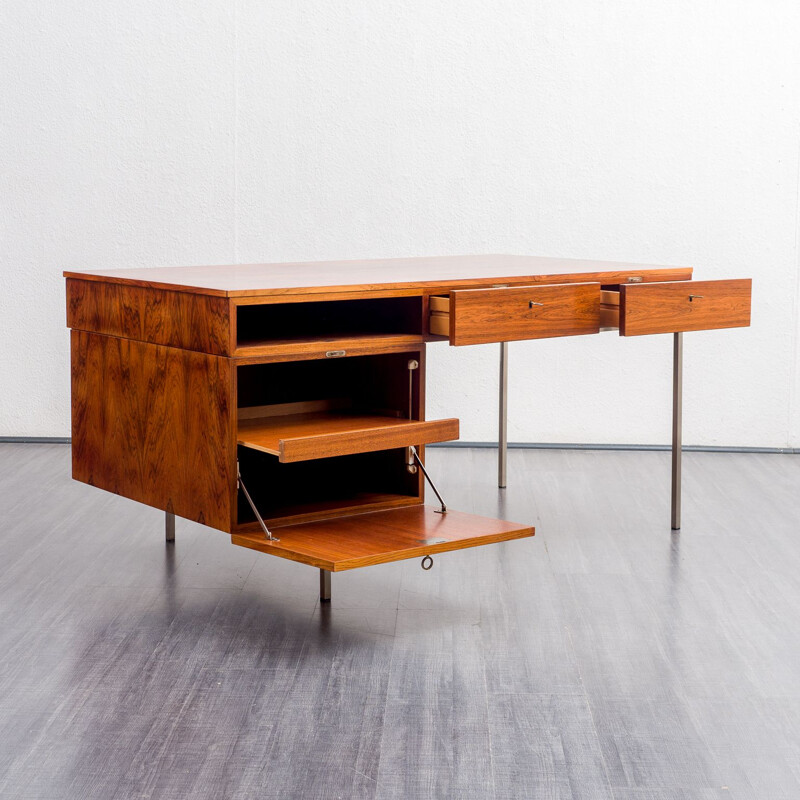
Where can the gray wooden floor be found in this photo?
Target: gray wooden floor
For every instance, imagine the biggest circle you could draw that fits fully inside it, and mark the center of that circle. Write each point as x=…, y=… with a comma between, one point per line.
x=606, y=658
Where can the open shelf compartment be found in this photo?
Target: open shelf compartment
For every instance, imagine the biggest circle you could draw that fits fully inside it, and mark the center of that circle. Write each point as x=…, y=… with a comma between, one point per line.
x=330, y=437
x=300, y=491
x=329, y=324
x=378, y=537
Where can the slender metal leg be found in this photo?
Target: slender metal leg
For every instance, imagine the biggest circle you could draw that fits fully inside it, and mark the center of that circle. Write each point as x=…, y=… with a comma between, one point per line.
x=324, y=586
x=170, y=526
x=502, y=435
x=677, y=404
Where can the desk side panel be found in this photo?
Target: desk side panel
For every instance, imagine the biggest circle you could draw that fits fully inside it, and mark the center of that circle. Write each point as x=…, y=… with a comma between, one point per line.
x=154, y=424
x=177, y=319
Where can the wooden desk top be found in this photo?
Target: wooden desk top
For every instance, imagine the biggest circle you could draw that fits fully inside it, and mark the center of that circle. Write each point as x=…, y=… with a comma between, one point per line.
x=424, y=274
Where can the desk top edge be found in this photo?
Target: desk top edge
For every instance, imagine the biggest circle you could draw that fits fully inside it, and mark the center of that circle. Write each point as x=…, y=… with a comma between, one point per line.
x=370, y=275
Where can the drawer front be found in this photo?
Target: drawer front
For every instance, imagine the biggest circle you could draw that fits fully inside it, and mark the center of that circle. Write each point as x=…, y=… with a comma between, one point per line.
x=683, y=306
x=479, y=316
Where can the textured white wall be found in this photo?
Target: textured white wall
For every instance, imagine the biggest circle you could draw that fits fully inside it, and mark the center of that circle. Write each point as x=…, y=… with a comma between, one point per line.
x=152, y=133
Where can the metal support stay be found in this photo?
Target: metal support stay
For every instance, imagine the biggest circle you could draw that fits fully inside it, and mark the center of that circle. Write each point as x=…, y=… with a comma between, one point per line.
x=261, y=522
x=414, y=453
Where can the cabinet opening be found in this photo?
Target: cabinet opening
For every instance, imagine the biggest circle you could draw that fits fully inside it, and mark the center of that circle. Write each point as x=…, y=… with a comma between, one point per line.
x=377, y=384
x=323, y=436
x=285, y=493
x=328, y=320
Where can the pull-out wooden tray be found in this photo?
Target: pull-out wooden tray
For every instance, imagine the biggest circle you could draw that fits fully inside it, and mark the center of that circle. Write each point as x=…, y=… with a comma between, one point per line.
x=381, y=536
x=301, y=437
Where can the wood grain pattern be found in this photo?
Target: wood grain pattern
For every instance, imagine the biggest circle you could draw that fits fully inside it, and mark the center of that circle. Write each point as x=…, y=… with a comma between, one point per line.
x=302, y=437
x=479, y=316
x=318, y=346
x=367, y=347
x=301, y=407
x=378, y=275
x=439, y=323
x=439, y=318
x=177, y=319
x=382, y=536
x=313, y=512
x=154, y=424
x=669, y=307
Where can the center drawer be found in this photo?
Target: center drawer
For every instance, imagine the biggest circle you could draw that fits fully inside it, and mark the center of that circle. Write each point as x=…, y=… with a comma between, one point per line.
x=503, y=314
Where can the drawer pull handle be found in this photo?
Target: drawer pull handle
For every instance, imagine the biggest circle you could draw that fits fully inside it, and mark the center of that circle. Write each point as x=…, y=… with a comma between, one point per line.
x=532, y=303
x=336, y=354
x=695, y=296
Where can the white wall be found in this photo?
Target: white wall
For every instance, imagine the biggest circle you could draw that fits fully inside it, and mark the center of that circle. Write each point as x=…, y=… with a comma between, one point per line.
x=152, y=133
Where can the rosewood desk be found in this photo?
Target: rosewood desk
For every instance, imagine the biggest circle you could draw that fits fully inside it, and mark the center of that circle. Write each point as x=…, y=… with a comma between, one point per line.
x=284, y=404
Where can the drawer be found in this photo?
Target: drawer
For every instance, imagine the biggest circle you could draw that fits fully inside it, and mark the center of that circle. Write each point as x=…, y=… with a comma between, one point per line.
x=683, y=306
x=609, y=310
x=439, y=320
x=480, y=316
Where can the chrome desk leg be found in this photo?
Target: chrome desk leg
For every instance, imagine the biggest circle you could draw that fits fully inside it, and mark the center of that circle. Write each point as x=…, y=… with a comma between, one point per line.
x=324, y=586
x=502, y=434
x=677, y=404
x=170, y=526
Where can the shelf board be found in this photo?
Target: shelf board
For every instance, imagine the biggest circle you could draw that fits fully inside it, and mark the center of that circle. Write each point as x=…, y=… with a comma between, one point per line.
x=301, y=437
x=317, y=344
x=358, y=503
x=378, y=537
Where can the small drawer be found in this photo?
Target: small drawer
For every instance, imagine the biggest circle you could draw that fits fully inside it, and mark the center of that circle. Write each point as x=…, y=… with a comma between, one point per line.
x=439, y=320
x=684, y=306
x=609, y=310
x=481, y=316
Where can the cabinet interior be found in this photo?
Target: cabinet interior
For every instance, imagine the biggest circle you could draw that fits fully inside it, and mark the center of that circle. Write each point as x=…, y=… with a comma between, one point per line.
x=378, y=386
x=327, y=320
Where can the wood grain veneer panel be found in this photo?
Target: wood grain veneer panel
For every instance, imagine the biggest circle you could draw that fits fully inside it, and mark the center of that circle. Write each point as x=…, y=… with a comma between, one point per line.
x=178, y=319
x=310, y=512
x=318, y=346
x=382, y=536
x=378, y=275
x=674, y=307
x=244, y=358
x=302, y=437
x=154, y=424
x=479, y=316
